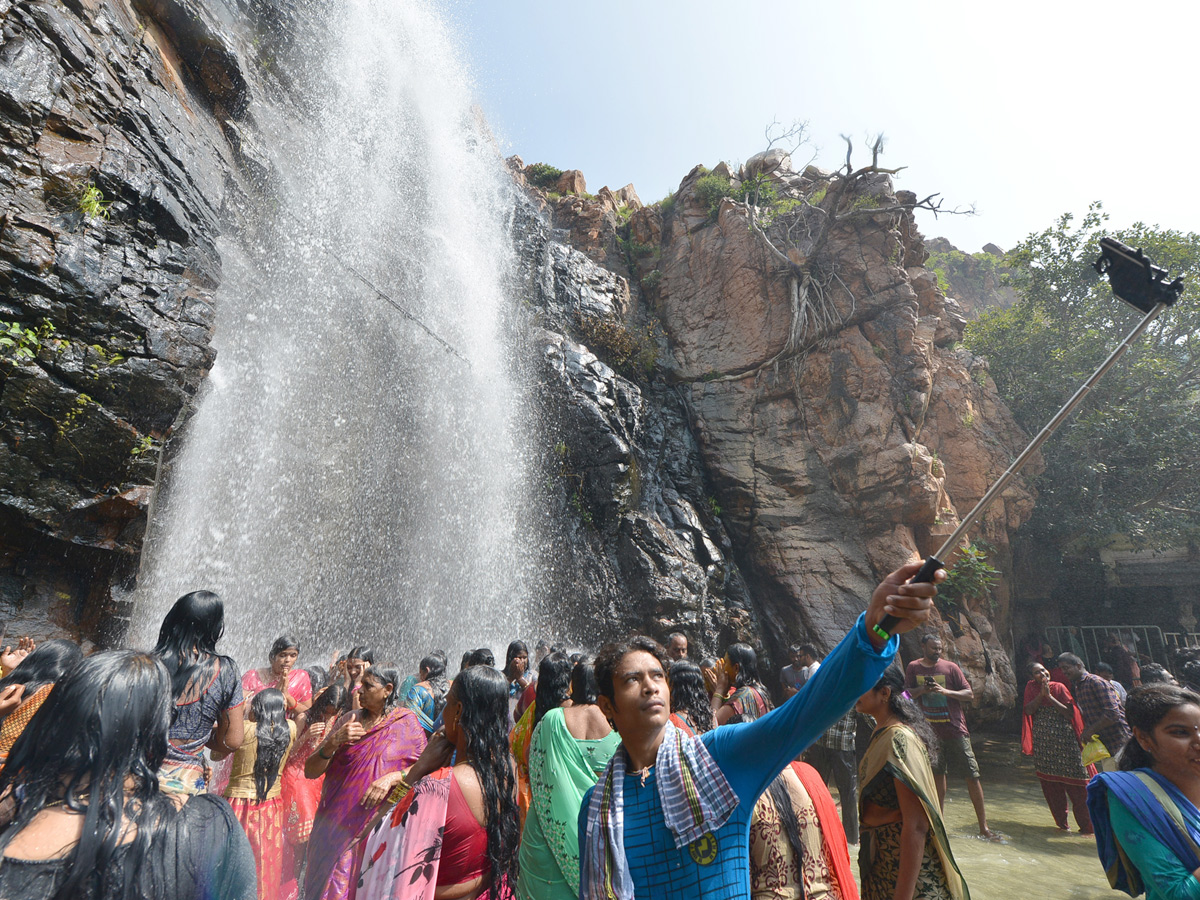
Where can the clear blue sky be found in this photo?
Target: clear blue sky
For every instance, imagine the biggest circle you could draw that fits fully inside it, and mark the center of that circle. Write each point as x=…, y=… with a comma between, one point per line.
x=1026, y=110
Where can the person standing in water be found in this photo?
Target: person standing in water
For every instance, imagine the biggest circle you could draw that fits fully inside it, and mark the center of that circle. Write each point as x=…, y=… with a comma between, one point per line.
x=940, y=689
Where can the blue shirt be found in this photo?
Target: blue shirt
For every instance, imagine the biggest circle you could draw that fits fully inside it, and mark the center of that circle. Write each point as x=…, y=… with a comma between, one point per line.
x=717, y=866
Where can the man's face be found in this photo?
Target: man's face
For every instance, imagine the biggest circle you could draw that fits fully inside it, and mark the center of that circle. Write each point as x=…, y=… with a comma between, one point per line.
x=677, y=648
x=933, y=649
x=1072, y=670
x=797, y=658
x=641, y=700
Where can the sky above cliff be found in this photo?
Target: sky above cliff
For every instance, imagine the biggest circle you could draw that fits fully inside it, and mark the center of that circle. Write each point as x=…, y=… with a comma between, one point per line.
x=1024, y=110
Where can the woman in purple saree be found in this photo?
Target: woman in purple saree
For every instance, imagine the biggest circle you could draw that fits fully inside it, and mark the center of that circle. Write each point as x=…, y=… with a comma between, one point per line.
x=361, y=759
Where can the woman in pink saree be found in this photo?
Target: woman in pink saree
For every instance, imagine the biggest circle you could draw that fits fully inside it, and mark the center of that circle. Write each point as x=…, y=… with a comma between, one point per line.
x=434, y=842
x=365, y=749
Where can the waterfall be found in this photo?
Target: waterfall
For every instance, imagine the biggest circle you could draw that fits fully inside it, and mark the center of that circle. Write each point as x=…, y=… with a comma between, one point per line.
x=347, y=478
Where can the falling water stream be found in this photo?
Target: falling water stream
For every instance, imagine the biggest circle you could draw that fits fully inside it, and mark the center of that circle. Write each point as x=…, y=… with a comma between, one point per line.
x=347, y=478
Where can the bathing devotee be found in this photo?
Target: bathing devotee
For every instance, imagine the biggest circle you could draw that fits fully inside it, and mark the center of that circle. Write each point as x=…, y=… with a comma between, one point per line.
x=24, y=689
x=691, y=708
x=904, y=852
x=669, y=817
x=207, y=689
x=361, y=757
x=739, y=695
x=428, y=695
x=255, y=789
x=358, y=660
x=1146, y=817
x=84, y=817
x=516, y=670
x=571, y=746
x=1050, y=732
x=453, y=831
x=553, y=689
x=302, y=795
x=281, y=673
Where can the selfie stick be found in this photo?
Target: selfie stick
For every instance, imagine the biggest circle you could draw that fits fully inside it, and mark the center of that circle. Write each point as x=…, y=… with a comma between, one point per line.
x=1138, y=282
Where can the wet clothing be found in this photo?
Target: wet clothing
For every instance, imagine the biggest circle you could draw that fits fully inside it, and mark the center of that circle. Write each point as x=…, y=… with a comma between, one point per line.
x=205, y=852
x=1053, y=741
x=185, y=771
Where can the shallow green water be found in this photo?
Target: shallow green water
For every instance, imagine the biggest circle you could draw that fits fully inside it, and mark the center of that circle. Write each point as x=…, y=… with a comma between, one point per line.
x=1038, y=860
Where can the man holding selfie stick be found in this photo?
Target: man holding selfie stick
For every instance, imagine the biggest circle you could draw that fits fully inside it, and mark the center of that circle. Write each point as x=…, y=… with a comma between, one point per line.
x=940, y=689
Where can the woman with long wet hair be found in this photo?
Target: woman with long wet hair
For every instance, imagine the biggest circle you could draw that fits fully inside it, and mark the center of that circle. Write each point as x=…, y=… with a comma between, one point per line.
x=1147, y=815
x=427, y=697
x=740, y=696
x=26, y=687
x=81, y=813
x=571, y=746
x=207, y=690
x=691, y=708
x=302, y=795
x=455, y=831
x=255, y=789
x=553, y=689
x=903, y=851
x=361, y=757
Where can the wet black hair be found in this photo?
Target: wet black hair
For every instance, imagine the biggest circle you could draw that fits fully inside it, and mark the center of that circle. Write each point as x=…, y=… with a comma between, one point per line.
x=317, y=677
x=434, y=666
x=515, y=649
x=906, y=711
x=689, y=695
x=1103, y=667
x=283, y=642
x=333, y=696
x=366, y=654
x=482, y=657
x=744, y=657
x=1145, y=707
x=96, y=746
x=553, y=685
x=782, y=798
x=610, y=656
x=483, y=693
x=583, y=683
x=272, y=738
x=48, y=662
x=808, y=650
x=187, y=641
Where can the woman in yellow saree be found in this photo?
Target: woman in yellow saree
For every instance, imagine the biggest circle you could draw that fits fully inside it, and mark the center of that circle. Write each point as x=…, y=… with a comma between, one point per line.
x=904, y=852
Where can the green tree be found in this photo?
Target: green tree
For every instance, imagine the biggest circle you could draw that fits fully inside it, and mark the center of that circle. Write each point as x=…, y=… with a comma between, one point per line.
x=1126, y=463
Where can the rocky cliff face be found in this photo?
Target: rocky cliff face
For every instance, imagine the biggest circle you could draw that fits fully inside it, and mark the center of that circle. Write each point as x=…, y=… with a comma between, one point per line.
x=841, y=432
x=117, y=178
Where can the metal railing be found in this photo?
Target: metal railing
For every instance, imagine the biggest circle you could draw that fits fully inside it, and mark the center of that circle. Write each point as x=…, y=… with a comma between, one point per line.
x=1147, y=642
x=1177, y=640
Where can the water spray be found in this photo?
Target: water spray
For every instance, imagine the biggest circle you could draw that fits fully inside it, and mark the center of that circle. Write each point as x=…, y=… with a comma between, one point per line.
x=1139, y=283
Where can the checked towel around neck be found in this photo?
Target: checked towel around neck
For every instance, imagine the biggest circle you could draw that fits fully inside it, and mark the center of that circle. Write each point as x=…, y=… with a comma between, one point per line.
x=696, y=799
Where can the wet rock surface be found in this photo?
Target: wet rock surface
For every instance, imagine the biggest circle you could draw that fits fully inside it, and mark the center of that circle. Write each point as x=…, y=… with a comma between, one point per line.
x=115, y=181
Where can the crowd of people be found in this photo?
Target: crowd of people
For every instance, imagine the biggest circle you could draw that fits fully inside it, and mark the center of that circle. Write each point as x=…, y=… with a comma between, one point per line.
x=634, y=773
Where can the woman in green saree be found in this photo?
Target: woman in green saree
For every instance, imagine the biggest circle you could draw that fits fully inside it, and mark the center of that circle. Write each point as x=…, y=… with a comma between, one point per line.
x=569, y=750
x=904, y=854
